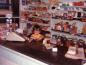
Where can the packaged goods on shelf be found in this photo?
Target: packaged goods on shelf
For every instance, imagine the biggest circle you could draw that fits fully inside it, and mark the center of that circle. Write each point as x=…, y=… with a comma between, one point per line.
x=49, y=15
x=73, y=30
x=84, y=29
x=58, y=27
x=66, y=27
x=53, y=2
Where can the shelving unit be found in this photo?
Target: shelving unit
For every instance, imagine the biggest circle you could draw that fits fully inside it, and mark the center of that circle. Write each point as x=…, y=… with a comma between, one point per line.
x=41, y=11
x=68, y=35
x=36, y=13
x=79, y=26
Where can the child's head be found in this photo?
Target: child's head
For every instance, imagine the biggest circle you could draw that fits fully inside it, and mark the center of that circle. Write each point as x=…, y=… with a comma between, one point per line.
x=36, y=31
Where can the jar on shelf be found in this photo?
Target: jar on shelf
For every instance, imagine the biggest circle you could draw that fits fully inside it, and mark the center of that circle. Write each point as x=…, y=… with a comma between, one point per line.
x=58, y=27
x=66, y=27
x=84, y=29
x=73, y=28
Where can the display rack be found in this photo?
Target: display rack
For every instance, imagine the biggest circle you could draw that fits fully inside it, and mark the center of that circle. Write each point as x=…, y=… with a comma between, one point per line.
x=70, y=14
x=35, y=13
x=39, y=12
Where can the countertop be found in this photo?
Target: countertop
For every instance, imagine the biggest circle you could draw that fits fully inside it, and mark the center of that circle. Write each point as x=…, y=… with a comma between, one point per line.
x=46, y=56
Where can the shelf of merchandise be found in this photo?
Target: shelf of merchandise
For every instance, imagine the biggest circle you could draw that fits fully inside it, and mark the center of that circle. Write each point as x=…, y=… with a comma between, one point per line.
x=42, y=24
x=36, y=4
x=70, y=21
x=35, y=11
x=24, y=24
x=43, y=18
x=51, y=20
x=78, y=23
x=68, y=35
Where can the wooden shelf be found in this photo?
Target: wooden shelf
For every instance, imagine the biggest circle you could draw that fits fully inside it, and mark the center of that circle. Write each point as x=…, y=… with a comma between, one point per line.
x=38, y=5
x=42, y=24
x=41, y=17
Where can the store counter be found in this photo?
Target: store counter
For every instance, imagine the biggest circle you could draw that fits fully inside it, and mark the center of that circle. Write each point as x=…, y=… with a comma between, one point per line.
x=46, y=56
x=12, y=36
x=73, y=55
x=11, y=57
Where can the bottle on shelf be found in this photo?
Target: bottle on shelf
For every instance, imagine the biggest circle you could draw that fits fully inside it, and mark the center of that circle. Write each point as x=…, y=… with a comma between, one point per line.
x=58, y=26
x=73, y=28
x=84, y=29
x=66, y=27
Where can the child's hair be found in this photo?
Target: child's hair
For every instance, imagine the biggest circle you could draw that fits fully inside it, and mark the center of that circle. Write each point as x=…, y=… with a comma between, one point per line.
x=36, y=27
